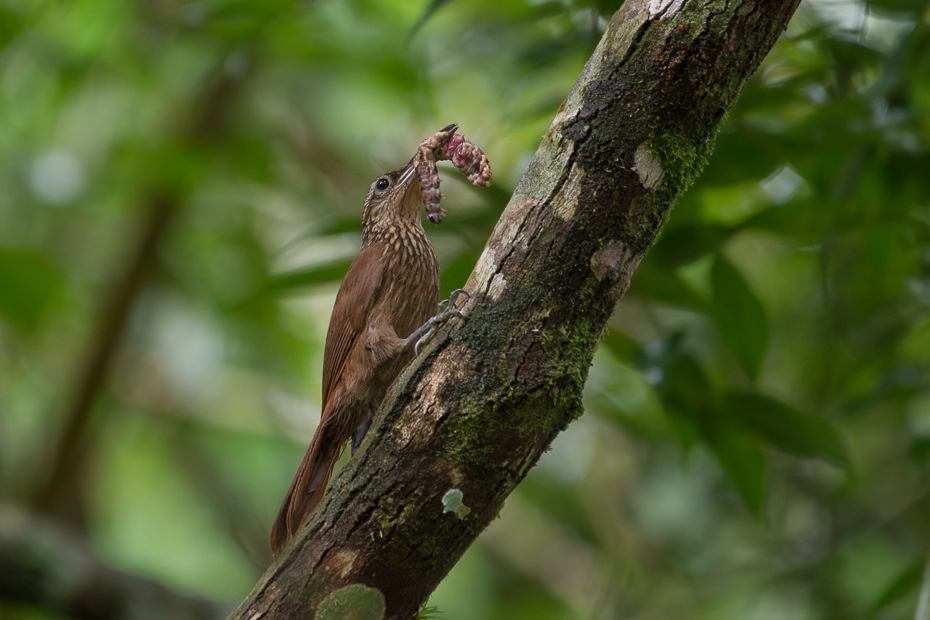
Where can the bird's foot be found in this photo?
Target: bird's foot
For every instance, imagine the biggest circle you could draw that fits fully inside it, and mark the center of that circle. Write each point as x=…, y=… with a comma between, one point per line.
x=446, y=312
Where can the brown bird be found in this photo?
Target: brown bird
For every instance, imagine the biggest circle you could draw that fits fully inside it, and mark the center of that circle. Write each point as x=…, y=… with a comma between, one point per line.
x=390, y=290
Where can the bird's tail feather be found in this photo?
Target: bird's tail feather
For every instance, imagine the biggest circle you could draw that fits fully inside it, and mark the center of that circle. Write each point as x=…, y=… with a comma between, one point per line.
x=308, y=486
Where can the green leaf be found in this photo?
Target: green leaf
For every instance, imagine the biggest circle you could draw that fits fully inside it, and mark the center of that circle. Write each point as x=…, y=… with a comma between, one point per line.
x=686, y=387
x=906, y=583
x=689, y=399
x=809, y=220
x=740, y=156
x=739, y=316
x=686, y=396
x=28, y=284
x=427, y=13
x=786, y=428
x=665, y=286
x=742, y=459
x=686, y=244
x=620, y=345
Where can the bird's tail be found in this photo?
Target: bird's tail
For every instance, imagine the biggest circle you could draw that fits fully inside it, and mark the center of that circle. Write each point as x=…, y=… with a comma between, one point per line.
x=309, y=484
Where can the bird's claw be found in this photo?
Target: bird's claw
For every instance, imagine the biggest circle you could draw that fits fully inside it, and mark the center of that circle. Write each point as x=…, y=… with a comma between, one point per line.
x=428, y=329
x=424, y=338
x=445, y=303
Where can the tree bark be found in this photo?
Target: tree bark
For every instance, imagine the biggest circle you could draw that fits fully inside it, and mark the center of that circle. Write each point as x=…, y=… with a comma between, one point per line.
x=468, y=418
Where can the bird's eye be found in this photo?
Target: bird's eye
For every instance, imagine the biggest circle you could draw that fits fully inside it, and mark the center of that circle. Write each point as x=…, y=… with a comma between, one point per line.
x=382, y=184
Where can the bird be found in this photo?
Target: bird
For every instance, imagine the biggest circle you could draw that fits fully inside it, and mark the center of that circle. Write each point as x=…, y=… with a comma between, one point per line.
x=382, y=312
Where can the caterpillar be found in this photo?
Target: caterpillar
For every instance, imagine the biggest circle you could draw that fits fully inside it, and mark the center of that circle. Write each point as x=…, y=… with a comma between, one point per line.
x=447, y=145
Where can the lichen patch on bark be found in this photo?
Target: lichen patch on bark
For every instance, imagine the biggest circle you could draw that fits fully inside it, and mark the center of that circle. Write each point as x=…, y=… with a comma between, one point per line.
x=568, y=198
x=497, y=287
x=345, y=562
x=648, y=166
x=608, y=262
x=658, y=7
x=487, y=263
x=353, y=602
x=452, y=502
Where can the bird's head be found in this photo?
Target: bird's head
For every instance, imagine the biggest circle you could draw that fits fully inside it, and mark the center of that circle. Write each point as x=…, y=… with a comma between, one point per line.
x=393, y=198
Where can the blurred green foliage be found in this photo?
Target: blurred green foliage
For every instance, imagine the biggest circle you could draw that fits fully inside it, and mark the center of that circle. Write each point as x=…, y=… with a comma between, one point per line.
x=757, y=434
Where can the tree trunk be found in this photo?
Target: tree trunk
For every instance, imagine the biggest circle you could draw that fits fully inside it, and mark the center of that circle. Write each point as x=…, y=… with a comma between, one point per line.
x=468, y=418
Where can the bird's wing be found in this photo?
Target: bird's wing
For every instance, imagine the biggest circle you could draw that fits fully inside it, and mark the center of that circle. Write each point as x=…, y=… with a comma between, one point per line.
x=357, y=296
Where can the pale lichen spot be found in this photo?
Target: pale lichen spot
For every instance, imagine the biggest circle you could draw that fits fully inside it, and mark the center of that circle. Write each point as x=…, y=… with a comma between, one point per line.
x=648, y=166
x=346, y=561
x=657, y=7
x=354, y=602
x=486, y=265
x=510, y=225
x=566, y=202
x=452, y=502
x=497, y=288
x=567, y=111
x=631, y=265
x=610, y=260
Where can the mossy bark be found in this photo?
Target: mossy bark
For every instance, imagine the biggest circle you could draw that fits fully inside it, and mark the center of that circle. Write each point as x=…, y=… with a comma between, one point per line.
x=472, y=414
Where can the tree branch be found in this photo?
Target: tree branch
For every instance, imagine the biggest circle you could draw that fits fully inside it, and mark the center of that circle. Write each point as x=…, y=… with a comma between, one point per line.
x=59, y=495
x=470, y=416
x=43, y=565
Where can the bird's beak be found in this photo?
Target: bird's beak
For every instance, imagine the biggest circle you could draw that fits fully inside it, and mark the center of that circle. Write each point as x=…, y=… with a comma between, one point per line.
x=410, y=169
x=450, y=128
x=408, y=174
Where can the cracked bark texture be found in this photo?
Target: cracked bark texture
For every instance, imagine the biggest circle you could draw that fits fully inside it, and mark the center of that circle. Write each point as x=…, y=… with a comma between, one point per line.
x=468, y=418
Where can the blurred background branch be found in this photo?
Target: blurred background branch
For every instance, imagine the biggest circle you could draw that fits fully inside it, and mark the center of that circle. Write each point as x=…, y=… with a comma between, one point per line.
x=61, y=494
x=50, y=568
